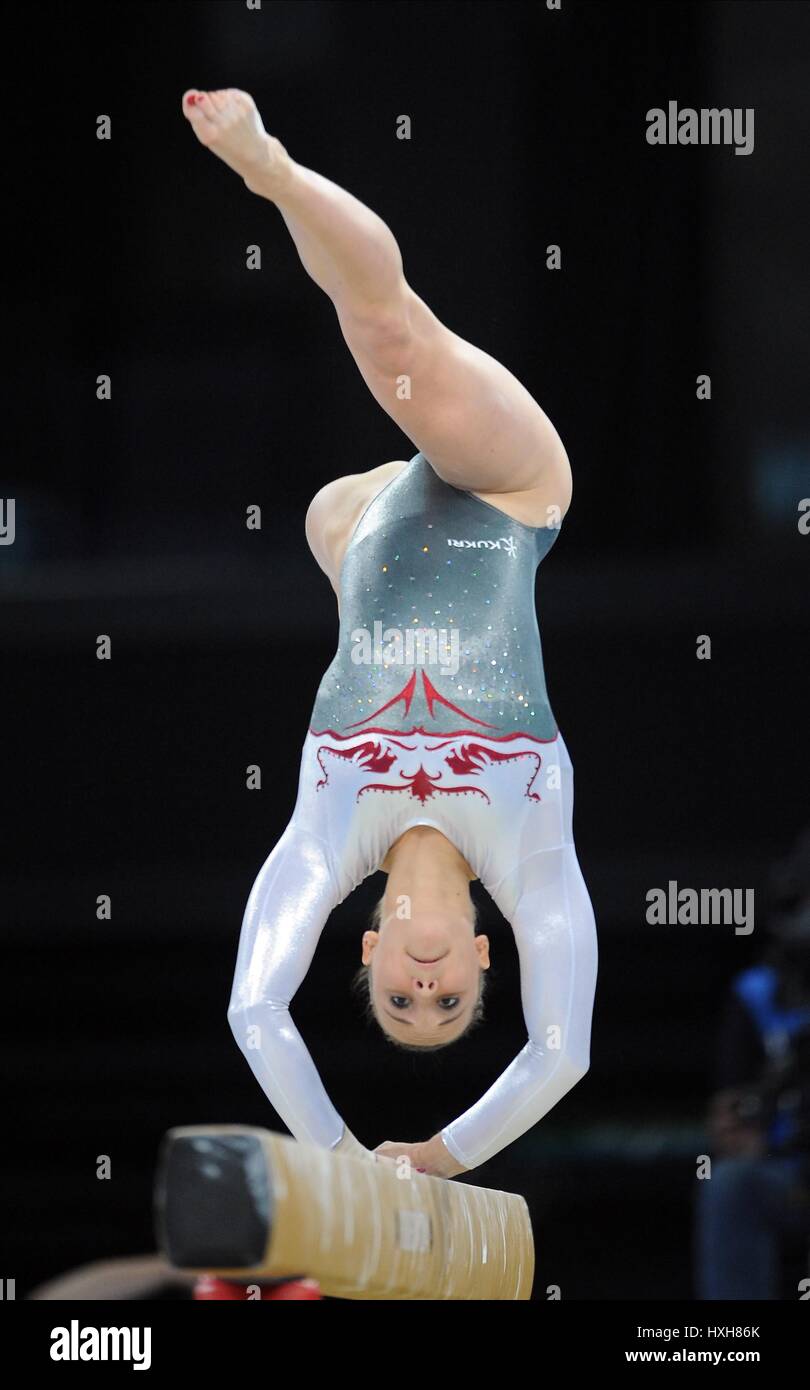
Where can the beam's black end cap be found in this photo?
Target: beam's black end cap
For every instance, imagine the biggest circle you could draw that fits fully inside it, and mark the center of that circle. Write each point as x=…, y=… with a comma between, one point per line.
x=213, y=1200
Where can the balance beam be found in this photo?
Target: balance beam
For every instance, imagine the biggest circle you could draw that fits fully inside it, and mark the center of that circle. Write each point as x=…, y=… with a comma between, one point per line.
x=244, y=1203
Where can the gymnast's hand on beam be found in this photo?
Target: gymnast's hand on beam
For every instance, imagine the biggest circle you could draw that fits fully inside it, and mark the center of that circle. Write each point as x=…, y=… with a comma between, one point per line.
x=432, y=1157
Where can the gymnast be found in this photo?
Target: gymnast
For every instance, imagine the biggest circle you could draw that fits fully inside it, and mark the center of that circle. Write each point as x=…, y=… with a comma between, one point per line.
x=432, y=753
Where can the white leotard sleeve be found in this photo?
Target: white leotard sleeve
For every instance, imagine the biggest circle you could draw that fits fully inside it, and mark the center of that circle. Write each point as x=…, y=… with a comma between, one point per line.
x=289, y=905
x=555, y=933
x=308, y=874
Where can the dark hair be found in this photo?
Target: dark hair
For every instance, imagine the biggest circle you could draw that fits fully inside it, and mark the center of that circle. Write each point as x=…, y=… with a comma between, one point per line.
x=361, y=988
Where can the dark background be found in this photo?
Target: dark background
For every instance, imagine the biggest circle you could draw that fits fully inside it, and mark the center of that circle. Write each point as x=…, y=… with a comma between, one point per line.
x=232, y=388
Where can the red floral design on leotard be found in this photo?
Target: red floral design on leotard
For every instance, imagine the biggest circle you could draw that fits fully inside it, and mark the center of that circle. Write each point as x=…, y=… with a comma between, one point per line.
x=469, y=754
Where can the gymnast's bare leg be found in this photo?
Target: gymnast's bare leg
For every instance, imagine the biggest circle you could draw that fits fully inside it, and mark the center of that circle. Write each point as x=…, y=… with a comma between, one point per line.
x=480, y=428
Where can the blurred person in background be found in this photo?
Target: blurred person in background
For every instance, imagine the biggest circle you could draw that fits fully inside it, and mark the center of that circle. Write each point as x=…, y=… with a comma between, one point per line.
x=753, y=1213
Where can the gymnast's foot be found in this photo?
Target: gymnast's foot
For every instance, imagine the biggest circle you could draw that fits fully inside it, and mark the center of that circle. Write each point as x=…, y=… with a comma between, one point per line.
x=229, y=125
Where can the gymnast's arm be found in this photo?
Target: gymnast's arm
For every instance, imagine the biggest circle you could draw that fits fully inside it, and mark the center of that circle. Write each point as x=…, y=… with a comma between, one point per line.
x=287, y=910
x=555, y=934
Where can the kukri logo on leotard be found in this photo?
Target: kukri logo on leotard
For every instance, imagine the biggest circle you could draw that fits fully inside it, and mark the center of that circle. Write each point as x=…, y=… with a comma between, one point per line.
x=507, y=543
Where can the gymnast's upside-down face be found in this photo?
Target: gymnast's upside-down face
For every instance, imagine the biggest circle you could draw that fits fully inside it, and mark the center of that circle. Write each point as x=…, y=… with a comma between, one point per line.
x=425, y=975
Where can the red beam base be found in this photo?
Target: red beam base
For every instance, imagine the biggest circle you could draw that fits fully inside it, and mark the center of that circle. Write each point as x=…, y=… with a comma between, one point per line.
x=208, y=1286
